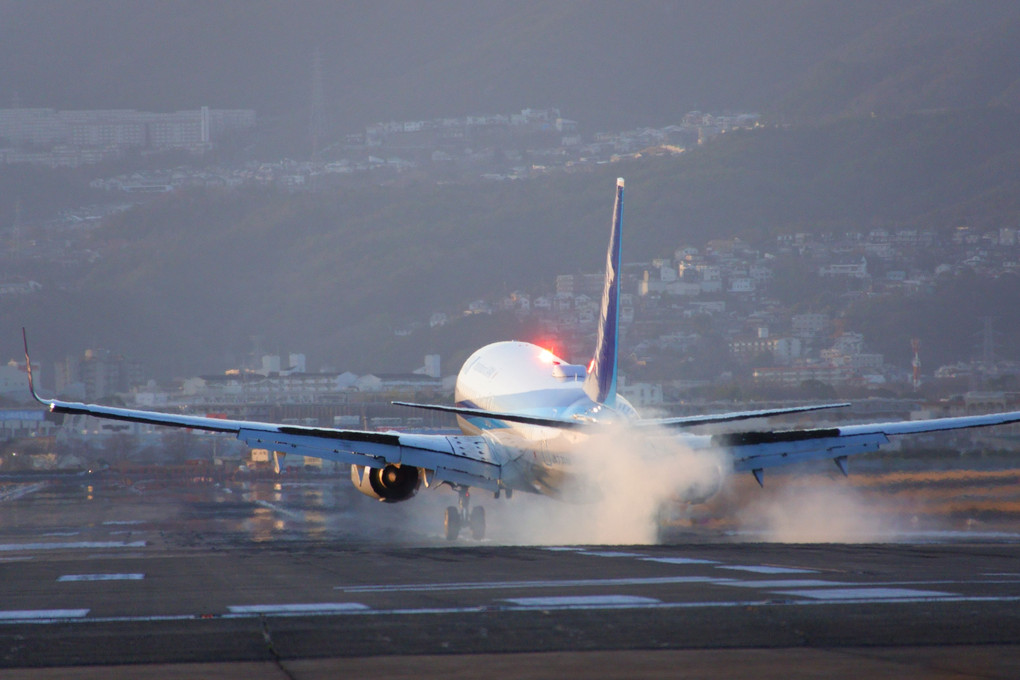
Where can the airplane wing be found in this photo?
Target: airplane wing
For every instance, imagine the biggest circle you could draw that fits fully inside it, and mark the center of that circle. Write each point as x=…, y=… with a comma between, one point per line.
x=458, y=459
x=756, y=451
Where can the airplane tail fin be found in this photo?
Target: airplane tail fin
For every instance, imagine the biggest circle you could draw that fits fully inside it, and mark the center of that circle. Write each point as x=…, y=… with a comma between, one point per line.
x=600, y=383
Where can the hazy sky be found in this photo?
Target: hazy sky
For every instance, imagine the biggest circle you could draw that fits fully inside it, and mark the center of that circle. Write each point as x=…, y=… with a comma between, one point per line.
x=619, y=63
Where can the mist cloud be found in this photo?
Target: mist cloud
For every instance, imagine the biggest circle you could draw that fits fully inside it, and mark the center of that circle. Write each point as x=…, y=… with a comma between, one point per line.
x=626, y=478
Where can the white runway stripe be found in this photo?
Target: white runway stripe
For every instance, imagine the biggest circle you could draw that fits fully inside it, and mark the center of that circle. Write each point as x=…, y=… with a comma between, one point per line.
x=758, y=569
x=582, y=601
x=312, y=608
x=77, y=545
x=42, y=614
x=788, y=583
x=865, y=593
x=100, y=577
x=678, y=560
x=498, y=585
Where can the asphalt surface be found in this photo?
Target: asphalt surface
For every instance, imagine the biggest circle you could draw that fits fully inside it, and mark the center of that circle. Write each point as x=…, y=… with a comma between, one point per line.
x=298, y=580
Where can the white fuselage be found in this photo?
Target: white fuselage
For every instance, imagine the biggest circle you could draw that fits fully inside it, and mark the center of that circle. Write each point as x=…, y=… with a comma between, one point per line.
x=523, y=378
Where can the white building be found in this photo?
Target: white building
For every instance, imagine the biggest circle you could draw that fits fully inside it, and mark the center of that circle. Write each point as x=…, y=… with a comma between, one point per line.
x=641, y=394
x=849, y=270
x=14, y=381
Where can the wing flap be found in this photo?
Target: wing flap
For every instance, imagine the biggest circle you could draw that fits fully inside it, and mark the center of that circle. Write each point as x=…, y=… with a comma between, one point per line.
x=370, y=453
x=767, y=454
x=461, y=459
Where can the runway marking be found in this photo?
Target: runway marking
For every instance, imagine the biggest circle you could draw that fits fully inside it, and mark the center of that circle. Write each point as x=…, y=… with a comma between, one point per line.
x=654, y=604
x=100, y=577
x=582, y=601
x=678, y=560
x=609, y=553
x=79, y=545
x=943, y=536
x=760, y=569
x=319, y=607
x=356, y=609
x=501, y=585
x=788, y=583
x=119, y=522
x=867, y=593
x=947, y=582
x=41, y=615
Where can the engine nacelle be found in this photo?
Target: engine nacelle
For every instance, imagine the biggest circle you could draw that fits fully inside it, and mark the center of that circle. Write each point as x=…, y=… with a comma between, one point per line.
x=700, y=486
x=391, y=484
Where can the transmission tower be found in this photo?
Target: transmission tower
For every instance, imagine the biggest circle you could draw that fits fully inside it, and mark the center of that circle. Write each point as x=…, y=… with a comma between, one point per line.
x=16, y=233
x=317, y=116
x=988, y=342
x=915, y=344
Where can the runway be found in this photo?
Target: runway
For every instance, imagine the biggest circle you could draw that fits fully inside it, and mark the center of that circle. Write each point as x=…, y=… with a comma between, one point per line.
x=104, y=581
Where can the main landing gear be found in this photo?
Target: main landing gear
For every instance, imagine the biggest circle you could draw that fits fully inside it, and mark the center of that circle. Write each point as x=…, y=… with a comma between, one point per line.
x=457, y=516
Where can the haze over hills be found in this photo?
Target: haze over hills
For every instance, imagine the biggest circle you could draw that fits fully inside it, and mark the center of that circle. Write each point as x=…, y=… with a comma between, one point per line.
x=606, y=64
x=198, y=273
x=895, y=114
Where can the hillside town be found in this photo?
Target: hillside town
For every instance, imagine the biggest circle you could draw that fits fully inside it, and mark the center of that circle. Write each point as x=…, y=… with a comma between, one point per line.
x=498, y=147
x=697, y=327
x=70, y=139
x=488, y=147
x=719, y=291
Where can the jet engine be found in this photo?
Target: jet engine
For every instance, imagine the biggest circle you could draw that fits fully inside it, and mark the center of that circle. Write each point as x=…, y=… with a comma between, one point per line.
x=683, y=474
x=703, y=481
x=391, y=484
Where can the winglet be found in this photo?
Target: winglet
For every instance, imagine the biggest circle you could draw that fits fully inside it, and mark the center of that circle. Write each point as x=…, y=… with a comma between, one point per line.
x=28, y=368
x=600, y=384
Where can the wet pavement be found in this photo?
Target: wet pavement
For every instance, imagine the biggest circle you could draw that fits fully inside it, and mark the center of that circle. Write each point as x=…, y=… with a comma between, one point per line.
x=304, y=577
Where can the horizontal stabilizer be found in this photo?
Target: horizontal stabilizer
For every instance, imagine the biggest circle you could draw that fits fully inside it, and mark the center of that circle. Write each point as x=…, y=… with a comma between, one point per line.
x=572, y=423
x=523, y=418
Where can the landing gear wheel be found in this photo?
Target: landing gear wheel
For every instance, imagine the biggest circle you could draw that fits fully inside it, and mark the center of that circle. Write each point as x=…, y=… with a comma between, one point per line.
x=477, y=523
x=463, y=515
x=452, y=523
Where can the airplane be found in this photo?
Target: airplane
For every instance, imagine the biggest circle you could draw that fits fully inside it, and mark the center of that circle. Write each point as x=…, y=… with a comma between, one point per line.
x=527, y=420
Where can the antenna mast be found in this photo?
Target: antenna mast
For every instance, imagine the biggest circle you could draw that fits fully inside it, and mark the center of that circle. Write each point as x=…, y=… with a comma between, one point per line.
x=915, y=344
x=317, y=116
